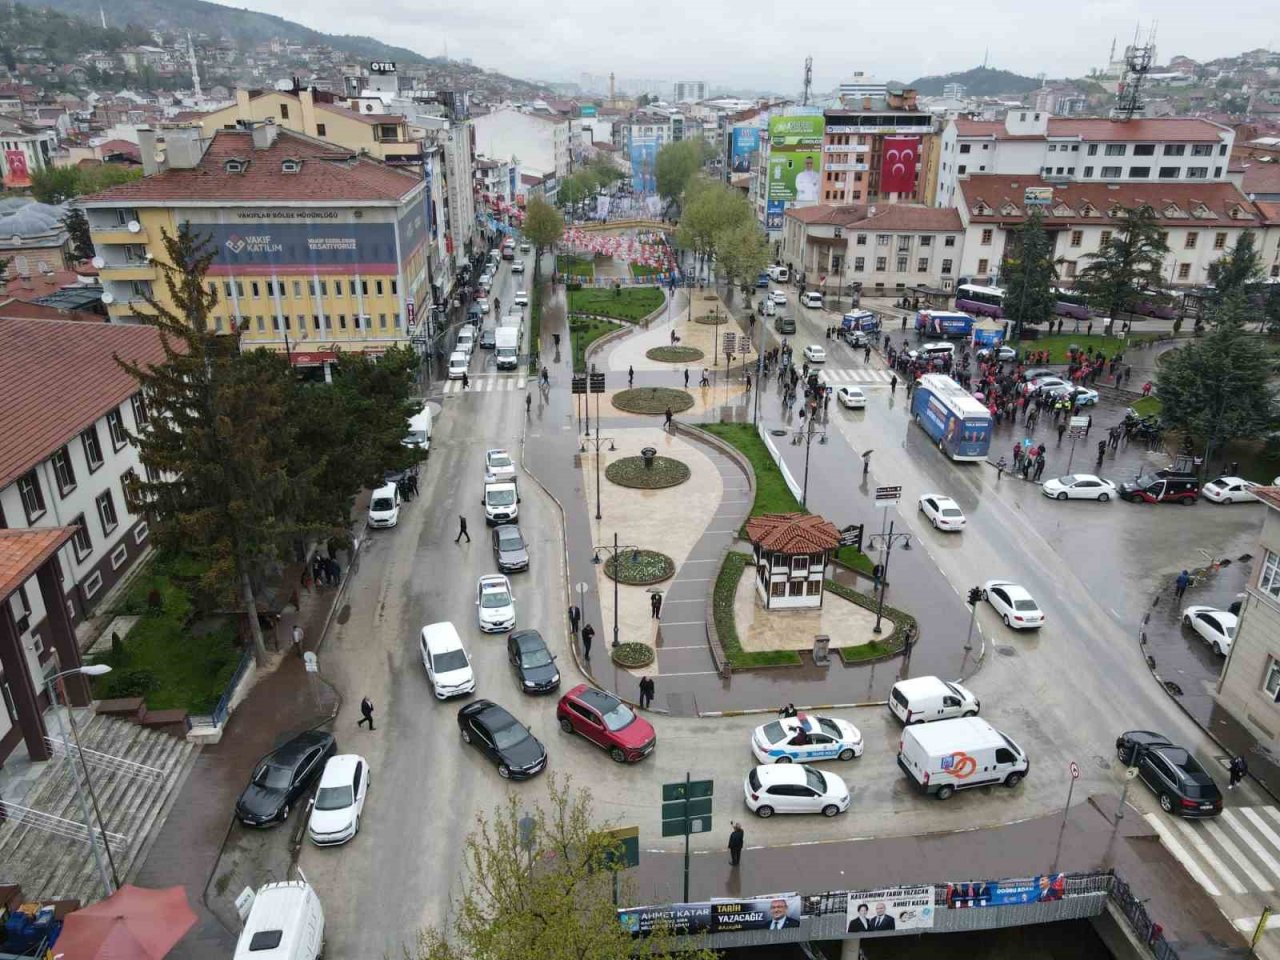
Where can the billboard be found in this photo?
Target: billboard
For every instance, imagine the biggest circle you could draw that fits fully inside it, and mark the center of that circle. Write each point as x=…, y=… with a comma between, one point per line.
x=744, y=148
x=795, y=158
x=1037, y=197
x=890, y=909
x=644, y=156
x=320, y=247
x=779, y=912
x=992, y=893
x=898, y=167
x=15, y=166
x=774, y=210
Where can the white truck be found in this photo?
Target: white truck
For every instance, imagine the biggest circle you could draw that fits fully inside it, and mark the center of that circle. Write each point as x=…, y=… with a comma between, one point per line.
x=950, y=755
x=501, y=500
x=282, y=921
x=506, y=342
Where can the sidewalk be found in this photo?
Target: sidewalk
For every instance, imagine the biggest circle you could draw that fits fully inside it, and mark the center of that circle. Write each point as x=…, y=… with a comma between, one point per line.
x=281, y=704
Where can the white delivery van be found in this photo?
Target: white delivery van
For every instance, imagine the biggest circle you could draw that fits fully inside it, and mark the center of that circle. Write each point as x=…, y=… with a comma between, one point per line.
x=922, y=699
x=448, y=665
x=952, y=755
x=811, y=298
x=284, y=922
x=779, y=274
x=506, y=347
x=384, y=506
x=419, y=433
x=501, y=501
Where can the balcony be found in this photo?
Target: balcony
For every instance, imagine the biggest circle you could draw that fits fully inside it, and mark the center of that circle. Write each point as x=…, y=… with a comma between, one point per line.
x=116, y=233
x=129, y=271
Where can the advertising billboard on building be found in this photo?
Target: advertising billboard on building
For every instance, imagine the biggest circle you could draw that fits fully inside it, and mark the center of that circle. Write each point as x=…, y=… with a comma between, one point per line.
x=322, y=247
x=744, y=148
x=644, y=156
x=890, y=909
x=779, y=912
x=795, y=158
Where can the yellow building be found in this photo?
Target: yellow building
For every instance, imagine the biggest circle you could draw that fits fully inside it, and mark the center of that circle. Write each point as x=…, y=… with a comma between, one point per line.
x=382, y=135
x=317, y=249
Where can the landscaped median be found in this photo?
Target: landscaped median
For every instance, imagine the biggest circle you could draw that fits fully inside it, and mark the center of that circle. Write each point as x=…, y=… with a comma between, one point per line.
x=584, y=331
x=620, y=303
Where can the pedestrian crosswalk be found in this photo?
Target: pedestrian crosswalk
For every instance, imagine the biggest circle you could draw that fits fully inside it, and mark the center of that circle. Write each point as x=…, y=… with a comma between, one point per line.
x=859, y=375
x=487, y=384
x=1235, y=854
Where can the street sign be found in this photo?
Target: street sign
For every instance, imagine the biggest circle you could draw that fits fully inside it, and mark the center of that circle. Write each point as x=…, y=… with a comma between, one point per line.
x=851, y=536
x=730, y=341
x=693, y=789
x=686, y=807
x=311, y=662
x=579, y=383
x=1075, y=770
x=582, y=587
x=676, y=828
x=597, y=383
x=888, y=496
x=698, y=807
x=1078, y=427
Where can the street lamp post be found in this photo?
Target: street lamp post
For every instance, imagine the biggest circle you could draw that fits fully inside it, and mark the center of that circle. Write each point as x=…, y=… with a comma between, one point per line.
x=886, y=543
x=595, y=443
x=805, y=435
x=614, y=552
x=54, y=683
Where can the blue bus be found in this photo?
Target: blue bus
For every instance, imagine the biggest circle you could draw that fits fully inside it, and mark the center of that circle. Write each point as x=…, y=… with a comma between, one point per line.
x=954, y=418
x=944, y=323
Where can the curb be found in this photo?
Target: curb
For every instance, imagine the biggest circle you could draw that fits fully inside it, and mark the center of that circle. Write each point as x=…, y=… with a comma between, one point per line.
x=600, y=343
x=758, y=711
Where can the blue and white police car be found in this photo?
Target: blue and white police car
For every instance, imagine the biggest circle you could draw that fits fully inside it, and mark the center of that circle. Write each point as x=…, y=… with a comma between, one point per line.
x=805, y=738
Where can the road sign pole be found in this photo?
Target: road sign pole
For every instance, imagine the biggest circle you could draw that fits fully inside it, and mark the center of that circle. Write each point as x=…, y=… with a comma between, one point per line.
x=1075, y=775
x=686, y=837
x=1129, y=774
x=973, y=616
x=1071, y=456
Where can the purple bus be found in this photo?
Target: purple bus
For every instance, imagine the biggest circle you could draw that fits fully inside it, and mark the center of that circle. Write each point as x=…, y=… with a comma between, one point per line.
x=1070, y=304
x=1164, y=310
x=984, y=301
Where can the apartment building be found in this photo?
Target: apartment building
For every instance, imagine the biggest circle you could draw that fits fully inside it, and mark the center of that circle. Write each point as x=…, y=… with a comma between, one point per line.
x=880, y=150
x=538, y=141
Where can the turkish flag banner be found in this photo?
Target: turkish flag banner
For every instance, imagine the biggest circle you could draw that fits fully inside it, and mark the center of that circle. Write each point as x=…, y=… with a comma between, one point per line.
x=898, y=170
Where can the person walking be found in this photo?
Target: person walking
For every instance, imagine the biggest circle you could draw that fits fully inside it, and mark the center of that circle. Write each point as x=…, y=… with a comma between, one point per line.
x=686, y=377
x=1180, y=585
x=655, y=604
x=667, y=424
x=575, y=617
x=1239, y=769
x=465, y=380
x=866, y=354
x=462, y=530
x=631, y=375
x=736, y=836
x=297, y=639
x=893, y=383
x=366, y=713
x=647, y=688
x=1102, y=452
x=588, y=632
x=1039, y=467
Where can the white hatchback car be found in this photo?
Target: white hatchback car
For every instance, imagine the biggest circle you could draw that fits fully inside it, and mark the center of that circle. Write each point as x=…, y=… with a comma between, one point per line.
x=805, y=738
x=794, y=788
x=1229, y=490
x=1079, y=486
x=335, y=817
x=1014, y=604
x=778, y=297
x=517, y=266
x=815, y=354
x=943, y=512
x=499, y=465
x=521, y=299
x=851, y=398
x=495, y=604
x=1216, y=627
x=458, y=363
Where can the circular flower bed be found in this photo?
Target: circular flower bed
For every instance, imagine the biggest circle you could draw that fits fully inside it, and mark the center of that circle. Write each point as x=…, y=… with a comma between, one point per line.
x=675, y=354
x=633, y=655
x=709, y=296
x=631, y=472
x=640, y=567
x=712, y=319
x=652, y=400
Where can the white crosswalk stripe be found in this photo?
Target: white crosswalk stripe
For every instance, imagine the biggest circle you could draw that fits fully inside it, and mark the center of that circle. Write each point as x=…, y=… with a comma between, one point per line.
x=487, y=384
x=862, y=375
x=1237, y=853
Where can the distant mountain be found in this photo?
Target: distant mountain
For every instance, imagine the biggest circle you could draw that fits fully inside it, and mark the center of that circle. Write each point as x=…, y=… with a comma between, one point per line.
x=978, y=82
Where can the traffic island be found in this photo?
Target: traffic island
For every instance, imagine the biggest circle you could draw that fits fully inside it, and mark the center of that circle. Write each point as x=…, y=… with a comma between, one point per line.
x=640, y=568
x=652, y=400
x=675, y=354
x=633, y=655
x=711, y=319
x=647, y=473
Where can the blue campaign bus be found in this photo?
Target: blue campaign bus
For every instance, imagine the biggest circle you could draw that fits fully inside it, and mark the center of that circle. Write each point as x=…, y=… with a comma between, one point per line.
x=954, y=418
x=944, y=323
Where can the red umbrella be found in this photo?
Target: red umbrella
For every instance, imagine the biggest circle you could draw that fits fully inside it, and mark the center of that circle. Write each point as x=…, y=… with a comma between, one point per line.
x=131, y=924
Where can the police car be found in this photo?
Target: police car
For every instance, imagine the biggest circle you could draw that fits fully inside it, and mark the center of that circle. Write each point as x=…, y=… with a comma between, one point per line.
x=806, y=738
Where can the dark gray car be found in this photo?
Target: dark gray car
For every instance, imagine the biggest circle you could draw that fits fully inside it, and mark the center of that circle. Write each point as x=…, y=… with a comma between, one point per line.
x=509, y=549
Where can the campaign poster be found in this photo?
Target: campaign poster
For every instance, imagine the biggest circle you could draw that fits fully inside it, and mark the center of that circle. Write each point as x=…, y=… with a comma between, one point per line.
x=795, y=159
x=890, y=909
x=744, y=147
x=773, y=213
x=781, y=912
x=999, y=893
x=644, y=156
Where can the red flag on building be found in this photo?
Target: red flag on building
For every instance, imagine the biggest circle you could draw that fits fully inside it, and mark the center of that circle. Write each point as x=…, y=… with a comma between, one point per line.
x=898, y=170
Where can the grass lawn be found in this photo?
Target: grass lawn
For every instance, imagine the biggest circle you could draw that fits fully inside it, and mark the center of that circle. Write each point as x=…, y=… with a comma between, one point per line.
x=1058, y=344
x=1147, y=406
x=876, y=648
x=727, y=630
x=575, y=266
x=642, y=271
x=584, y=331
x=627, y=303
x=171, y=658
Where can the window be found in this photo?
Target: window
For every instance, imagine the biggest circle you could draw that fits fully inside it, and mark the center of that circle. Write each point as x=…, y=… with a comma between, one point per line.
x=1136, y=173
x=261, y=323
x=1093, y=149
x=395, y=288
x=1070, y=268
x=862, y=240
x=1269, y=577
x=882, y=239
x=1115, y=150
x=859, y=264
x=800, y=564
x=902, y=264
x=1191, y=241
x=1088, y=172
x=1077, y=237
x=1110, y=173
x=107, y=512
x=1219, y=241
x=922, y=265
x=118, y=556
x=926, y=241
x=115, y=428
x=92, y=584
x=297, y=288
x=1217, y=173
x=882, y=263
x=382, y=321
x=226, y=288
x=1184, y=271
x=1174, y=149
x=92, y=448
x=1197, y=173
x=1104, y=237
x=321, y=131
x=946, y=268
x=377, y=287
x=962, y=168
x=63, y=472
x=964, y=148
x=32, y=496
x=253, y=288
x=1147, y=150
x=81, y=541
x=140, y=415
x=904, y=243
x=1168, y=173
x=1164, y=237
x=982, y=266
x=948, y=241
x=284, y=111
x=1202, y=150
x=986, y=236
x=1053, y=148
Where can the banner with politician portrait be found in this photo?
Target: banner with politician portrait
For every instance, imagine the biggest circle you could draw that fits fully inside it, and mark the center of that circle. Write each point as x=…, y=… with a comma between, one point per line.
x=993, y=893
x=890, y=909
x=744, y=147
x=795, y=158
x=780, y=912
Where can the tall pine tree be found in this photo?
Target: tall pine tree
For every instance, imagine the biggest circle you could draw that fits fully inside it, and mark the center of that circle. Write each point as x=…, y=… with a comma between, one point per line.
x=1028, y=275
x=1127, y=267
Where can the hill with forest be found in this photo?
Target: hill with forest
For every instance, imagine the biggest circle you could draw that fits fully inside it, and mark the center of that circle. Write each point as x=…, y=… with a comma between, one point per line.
x=978, y=82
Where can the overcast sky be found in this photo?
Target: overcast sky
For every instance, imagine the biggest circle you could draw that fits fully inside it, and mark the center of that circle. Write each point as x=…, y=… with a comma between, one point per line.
x=745, y=44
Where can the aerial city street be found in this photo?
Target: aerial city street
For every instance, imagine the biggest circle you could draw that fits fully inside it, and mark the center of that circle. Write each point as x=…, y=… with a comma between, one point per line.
x=782, y=513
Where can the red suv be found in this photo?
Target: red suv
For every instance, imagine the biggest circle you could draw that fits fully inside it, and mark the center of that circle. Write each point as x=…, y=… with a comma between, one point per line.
x=606, y=721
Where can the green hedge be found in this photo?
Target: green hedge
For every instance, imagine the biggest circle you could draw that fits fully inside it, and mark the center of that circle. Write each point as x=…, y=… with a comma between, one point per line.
x=584, y=331
x=726, y=627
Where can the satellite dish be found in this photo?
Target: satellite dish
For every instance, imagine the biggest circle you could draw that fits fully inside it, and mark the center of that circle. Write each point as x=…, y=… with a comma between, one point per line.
x=98, y=262
x=134, y=226
x=159, y=156
x=146, y=255
x=107, y=298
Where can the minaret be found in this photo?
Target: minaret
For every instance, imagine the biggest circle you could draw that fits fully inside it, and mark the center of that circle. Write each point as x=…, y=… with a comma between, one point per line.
x=102, y=14
x=195, y=72
x=611, y=86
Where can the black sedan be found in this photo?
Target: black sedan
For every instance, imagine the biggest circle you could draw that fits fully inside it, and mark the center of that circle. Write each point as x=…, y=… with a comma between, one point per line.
x=282, y=776
x=488, y=339
x=1182, y=786
x=509, y=550
x=533, y=663
x=503, y=739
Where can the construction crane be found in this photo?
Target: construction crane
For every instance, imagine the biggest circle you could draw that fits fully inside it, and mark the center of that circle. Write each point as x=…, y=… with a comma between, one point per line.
x=808, y=81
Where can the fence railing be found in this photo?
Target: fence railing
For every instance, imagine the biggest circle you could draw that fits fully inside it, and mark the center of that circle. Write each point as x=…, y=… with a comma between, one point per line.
x=220, y=712
x=1147, y=930
x=105, y=761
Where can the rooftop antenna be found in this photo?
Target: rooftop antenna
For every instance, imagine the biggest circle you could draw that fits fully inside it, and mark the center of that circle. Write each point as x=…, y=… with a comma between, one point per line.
x=808, y=81
x=102, y=15
x=1137, y=64
x=986, y=56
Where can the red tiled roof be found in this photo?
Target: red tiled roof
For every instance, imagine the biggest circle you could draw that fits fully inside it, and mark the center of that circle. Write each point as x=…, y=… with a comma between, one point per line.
x=825, y=214
x=329, y=173
x=1184, y=129
x=11, y=308
x=996, y=190
x=793, y=533
x=38, y=284
x=59, y=376
x=912, y=216
x=1261, y=177
x=1268, y=495
x=22, y=552
x=126, y=147
x=1270, y=210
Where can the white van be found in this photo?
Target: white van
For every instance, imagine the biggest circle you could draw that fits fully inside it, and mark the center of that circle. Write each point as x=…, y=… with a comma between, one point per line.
x=779, y=274
x=284, y=922
x=770, y=308
x=384, y=506
x=812, y=299
x=501, y=501
x=419, y=433
x=952, y=755
x=922, y=699
x=448, y=665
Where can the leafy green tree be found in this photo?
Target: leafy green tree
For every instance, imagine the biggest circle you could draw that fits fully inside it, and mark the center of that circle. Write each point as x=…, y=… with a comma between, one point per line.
x=1128, y=265
x=544, y=226
x=605, y=171
x=1216, y=389
x=544, y=893
x=742, y=253
x=55, y=184
x=77, y=225
x=1028, y=275
x=710, y=209
x=676, y=165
